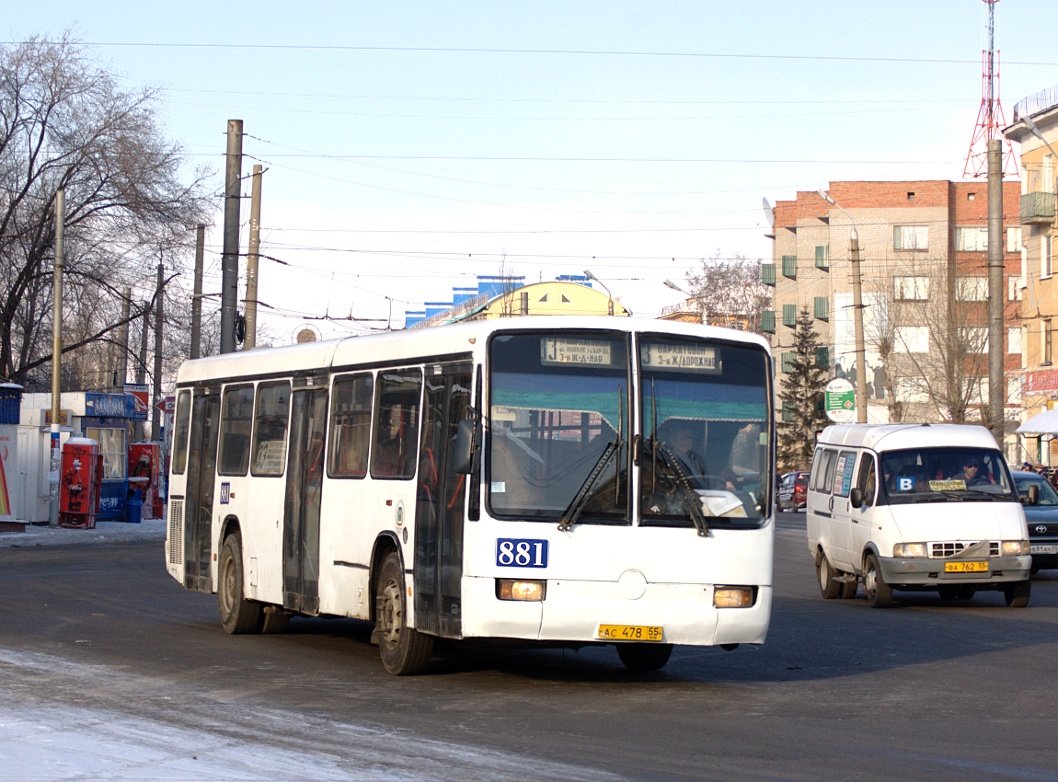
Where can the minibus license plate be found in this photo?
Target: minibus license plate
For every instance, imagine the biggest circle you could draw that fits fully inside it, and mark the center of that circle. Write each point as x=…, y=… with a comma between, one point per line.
x=631, y=632
x=965, y=567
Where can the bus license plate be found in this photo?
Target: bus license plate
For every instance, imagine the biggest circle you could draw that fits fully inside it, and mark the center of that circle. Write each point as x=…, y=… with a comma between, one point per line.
x=965, y=567
x=631, y=633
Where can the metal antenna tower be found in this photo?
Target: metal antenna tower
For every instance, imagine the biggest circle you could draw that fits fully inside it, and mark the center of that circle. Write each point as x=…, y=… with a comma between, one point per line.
x=990, y=118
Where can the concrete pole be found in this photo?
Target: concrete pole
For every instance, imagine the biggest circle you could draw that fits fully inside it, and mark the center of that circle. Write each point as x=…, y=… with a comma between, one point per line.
x=156, y=397
x=56, y=360
x=141, y=366
x=251, y=261
x=996, y=293
x=857, y=325
x=122, y=371
x=196, y=296
x=230, y=263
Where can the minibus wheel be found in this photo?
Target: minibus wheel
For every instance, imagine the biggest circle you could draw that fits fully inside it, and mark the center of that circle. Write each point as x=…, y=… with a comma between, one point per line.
x=1017, y=593
x=879, y=594
x=644, y=657
x=825, y=574
x=237, y=614
x=404, y=651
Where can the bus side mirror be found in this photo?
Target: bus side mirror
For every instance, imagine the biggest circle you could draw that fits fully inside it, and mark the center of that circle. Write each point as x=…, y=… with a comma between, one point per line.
x=856, y=497
x=1034, y=495
x=463, y=452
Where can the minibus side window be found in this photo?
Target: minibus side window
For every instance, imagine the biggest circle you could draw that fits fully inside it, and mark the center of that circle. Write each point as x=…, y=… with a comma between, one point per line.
x=827, y=473
x=866, y=480
x=814, y=476
x=843, y=473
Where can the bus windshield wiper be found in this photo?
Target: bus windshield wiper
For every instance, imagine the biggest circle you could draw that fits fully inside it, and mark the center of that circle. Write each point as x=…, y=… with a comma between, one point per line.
x=691, y=501
x=580, y=499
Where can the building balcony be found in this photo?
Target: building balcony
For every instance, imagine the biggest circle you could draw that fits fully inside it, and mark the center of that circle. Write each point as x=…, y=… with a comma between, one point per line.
x=1037, y=208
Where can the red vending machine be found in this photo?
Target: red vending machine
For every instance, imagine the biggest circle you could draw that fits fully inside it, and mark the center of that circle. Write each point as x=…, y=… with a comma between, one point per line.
x=80, y=478
x=145, y=475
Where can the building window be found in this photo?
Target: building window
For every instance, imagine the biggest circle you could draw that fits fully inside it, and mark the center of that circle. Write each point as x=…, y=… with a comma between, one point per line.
x=822, y=308
x=971, y=238
x=823, y=358
x=974, y=339
x=788, y=362
x=912, y=339
x=1046, y=256
x=971, y=289
x=767, y=273
x=1014, y=239
x=823, y=257
x=789, y=266
x=789, y=315
x=911, y=288
x=767, y=321
x=1014, y=340
x=1045, y=347
x=910, y=237
x=1014, y=288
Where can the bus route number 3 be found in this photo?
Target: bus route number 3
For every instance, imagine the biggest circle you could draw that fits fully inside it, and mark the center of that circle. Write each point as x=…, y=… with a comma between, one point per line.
x=521, y=552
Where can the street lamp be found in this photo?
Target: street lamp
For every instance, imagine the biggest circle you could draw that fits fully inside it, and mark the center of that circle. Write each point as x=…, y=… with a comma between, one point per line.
x=857, y=312
x=609, y=304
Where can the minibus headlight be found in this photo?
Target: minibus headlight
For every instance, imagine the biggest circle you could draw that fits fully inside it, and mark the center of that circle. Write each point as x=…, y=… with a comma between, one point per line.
x=734, y=596
x=1014, y=548
x=520, y=589
x=906, y=550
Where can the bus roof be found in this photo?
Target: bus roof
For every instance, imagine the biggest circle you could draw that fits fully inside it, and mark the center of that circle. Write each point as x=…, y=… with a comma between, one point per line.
x=896, y=437
x=413, y=344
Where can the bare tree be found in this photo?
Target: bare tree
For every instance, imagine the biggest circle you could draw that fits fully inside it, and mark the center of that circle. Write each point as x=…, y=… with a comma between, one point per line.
x=66, y=124
x=729, y=292
x=930, y=328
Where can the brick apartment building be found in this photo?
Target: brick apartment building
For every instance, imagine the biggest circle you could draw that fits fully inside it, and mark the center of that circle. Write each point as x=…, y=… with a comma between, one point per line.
x=924, y=271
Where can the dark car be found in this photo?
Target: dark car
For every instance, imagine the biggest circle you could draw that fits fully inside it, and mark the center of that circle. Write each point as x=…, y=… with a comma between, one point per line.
x=1042, y=518
x=793, y=491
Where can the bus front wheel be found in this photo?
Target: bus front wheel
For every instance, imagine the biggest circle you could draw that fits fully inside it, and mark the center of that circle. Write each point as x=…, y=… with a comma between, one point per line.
x=237, y=614
x=644, y=657
x=404, y=651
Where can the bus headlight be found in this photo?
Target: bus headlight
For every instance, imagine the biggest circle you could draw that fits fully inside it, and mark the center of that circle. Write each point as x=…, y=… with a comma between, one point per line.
x=734, y=596
x=1014, y=548
x=518, y=589
x=906, y=550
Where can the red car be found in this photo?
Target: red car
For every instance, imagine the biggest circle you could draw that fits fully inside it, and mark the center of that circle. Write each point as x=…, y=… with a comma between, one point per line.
x=793, y=491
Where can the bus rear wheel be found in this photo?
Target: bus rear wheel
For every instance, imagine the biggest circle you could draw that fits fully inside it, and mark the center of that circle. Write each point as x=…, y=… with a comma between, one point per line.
x=644, y=657
x=237, y=614
x=404, y=651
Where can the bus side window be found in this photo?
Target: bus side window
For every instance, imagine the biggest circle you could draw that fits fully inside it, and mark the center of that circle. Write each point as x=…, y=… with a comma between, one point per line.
x=395, y=435
x=270, y=428
x=181, y=429
x=236, y=424
x=350, y=426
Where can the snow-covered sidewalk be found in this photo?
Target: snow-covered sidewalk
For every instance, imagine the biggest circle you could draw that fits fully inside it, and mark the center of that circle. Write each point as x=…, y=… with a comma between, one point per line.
x=104, y=532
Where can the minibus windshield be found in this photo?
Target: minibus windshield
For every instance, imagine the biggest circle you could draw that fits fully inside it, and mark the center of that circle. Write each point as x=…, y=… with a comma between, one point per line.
x=946, y=474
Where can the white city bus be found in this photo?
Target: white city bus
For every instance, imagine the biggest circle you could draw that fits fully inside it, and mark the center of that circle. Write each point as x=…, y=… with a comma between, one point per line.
x=568, y=481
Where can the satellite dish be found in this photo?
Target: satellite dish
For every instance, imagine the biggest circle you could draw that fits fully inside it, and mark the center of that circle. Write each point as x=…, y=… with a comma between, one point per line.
x=769, y=213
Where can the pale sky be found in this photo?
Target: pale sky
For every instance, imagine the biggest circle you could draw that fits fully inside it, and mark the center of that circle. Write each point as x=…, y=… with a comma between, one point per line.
x=410, y=146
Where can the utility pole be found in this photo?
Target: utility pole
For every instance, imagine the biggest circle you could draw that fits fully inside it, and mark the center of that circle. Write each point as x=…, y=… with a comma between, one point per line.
x=857, y=327
x=196, y=296
x=157, y=395
x=141, y=365
x=121, y=373
x=251, y=261
x=230, y=264
x=56, y=360
x=996, y=294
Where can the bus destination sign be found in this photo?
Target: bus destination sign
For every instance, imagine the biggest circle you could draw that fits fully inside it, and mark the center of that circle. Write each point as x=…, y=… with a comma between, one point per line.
x=571, y=350
x=701, y=358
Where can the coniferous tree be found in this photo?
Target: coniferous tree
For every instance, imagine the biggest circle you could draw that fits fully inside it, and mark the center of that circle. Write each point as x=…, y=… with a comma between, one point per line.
x=801, y=397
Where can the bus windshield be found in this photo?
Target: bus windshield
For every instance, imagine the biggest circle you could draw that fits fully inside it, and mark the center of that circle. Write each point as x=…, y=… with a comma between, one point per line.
x=705, y=426
x=945, y=474
x=558, y=426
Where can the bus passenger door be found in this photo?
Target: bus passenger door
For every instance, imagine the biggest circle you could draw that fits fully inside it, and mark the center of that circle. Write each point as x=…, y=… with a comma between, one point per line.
x=439, y=507
x=201, y=475
x=301, y=507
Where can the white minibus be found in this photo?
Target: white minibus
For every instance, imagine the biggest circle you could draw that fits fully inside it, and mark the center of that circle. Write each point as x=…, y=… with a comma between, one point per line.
x=915, y=507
